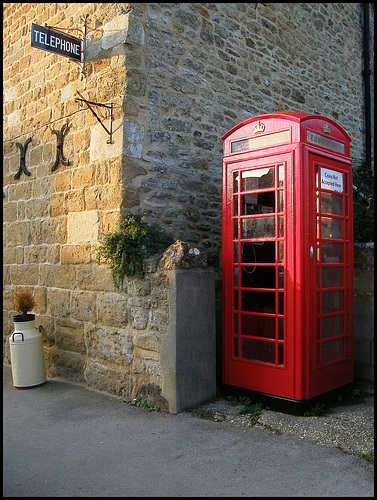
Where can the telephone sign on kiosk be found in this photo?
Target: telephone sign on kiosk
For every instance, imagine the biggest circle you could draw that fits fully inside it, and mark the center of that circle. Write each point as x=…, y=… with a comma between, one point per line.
x=287, y=256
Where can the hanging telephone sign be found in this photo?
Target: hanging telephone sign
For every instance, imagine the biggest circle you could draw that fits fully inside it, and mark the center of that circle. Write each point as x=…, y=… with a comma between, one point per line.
x=53, y=41
x=331, y=180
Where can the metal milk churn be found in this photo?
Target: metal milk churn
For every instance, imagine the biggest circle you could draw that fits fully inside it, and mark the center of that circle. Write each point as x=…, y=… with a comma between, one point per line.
x=26, y=353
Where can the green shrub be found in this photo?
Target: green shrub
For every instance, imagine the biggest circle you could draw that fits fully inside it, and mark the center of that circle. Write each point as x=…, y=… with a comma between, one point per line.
x=363, y=200
x=124, y=251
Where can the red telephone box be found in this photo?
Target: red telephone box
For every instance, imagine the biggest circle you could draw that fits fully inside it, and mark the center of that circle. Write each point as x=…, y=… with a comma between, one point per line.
x=287, y=256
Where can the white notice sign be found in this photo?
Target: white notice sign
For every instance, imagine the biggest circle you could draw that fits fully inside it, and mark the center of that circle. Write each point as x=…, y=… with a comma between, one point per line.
x=332, y=180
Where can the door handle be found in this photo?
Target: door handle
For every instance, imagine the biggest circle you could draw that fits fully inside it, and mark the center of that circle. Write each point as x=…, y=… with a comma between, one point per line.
x=311, y=252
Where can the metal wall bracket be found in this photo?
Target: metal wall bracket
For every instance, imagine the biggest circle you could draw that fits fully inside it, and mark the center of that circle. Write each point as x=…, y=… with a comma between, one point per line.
x=108, y=106
x=60, y=134
x=22, y=167
x=83, y=31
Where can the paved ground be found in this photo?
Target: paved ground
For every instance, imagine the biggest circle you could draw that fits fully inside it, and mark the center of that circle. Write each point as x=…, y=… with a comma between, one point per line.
x=349, y=427
x=65, y=440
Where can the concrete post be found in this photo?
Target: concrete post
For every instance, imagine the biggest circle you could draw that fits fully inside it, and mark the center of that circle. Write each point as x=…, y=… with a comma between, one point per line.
x=188, y=354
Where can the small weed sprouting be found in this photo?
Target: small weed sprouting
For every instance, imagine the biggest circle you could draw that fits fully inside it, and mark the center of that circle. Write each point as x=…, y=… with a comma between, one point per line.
x=232, y=400
x=143, y=404
x=368, y=456
x=315, y=410
x=255, y=409
x=203, y=412
x=356, y=393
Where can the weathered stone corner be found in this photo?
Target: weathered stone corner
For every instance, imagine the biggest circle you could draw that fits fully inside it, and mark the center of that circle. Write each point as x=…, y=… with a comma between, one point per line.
x=181, y=255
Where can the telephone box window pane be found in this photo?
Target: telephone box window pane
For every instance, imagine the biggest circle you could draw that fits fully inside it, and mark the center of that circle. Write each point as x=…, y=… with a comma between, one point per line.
x=281, y=227
x=332, y=351
x=235, y=211
x=258, y=203
x=331, y=203
x=281, y=175
x=332, y=326
x=235, y=319
x=235, y=252
x=281, y=328
x=332, y=253
x=281, y=251
x=316, y=176
x=236, y=300
x=332, y=277
x=281, y=277
x=235, y=340
x=332, y=301
x=258, y=301
x=258, y=350
x=318, y=227
x=235, y=276
x=235, y=222
x=258, y=326
x=235, y=182
x=258, y=277
x=318, y=330
x=281, y=201
x=258, y=251
x=280, y=354
x=321, y=140
x=281, y=302
x=258, y=227
x=332, y=228
x=259, y=178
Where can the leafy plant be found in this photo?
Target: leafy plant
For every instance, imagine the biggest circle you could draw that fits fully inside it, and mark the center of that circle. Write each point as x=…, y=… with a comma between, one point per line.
x=250, y=408
x=363, y=200
x=368, y=456
x=24, y=301
x=203, y=412
x=124, y=251
x=315, y=410
x=143, y=404
x=233, y=400
x=255, y=409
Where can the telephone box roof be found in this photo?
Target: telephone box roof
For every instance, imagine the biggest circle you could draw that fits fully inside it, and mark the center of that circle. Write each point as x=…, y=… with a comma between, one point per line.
x=294, y=116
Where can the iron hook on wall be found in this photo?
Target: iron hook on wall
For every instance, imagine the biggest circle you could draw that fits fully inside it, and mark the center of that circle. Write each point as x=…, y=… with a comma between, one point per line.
x=60, y=134
x=22, y=167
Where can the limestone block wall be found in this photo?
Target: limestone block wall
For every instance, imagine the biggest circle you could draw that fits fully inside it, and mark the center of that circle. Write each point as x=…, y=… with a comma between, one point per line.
x=179, y=76
x=53, y=219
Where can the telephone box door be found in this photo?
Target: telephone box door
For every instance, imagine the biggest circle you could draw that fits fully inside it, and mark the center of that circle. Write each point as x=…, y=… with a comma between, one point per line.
x=256, y=242
x=331, y=275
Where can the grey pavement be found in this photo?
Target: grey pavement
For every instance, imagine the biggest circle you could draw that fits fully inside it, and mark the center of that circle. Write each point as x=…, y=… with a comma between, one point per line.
x=61, y=439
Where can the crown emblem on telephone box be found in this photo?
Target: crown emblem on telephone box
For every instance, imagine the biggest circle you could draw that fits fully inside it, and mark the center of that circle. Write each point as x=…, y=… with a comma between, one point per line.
x=259, y=127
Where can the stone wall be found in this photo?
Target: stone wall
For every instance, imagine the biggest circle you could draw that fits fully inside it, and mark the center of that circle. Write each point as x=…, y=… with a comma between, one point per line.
x=179, y=76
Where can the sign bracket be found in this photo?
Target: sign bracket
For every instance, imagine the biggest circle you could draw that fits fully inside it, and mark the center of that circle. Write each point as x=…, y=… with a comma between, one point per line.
x=107, y=106
x=83, y=31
